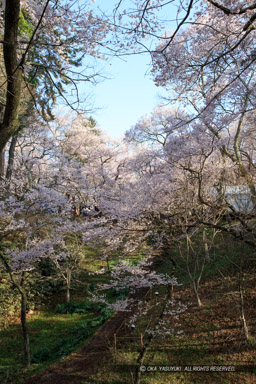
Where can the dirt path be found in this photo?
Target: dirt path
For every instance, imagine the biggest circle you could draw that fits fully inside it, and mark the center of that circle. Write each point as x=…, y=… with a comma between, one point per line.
x=80, y=365
x=212, y=336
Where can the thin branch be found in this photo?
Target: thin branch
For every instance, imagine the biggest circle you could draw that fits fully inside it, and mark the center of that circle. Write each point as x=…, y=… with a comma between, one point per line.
x=179, y=26
x=227, y=11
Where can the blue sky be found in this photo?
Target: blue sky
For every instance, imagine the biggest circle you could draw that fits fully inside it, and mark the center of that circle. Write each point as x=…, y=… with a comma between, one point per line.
x=127, y=96
x=129, y=93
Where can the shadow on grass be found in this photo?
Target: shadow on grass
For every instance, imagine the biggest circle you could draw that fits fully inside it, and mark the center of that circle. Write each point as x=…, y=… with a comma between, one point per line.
x=52, y=337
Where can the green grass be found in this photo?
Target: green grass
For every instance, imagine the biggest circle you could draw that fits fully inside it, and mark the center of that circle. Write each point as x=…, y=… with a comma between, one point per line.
x=207, y=338
x=52, y=336
x=224, y=256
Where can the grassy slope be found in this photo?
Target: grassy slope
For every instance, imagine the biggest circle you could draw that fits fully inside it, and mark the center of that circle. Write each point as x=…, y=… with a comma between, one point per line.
x=52, y=335
x=212, y=335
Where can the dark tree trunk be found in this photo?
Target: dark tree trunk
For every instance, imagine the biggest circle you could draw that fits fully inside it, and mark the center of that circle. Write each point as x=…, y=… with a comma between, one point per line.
x=10, y=122
x=23, y=309
x=25, y=327
x=11, y=157
x=2, y=163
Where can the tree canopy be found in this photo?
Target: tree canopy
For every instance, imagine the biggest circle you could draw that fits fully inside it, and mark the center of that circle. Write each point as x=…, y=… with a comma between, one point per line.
x=187, y=167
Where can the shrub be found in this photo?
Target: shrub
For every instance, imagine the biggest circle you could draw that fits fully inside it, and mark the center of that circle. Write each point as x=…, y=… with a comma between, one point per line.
x=81, y=331
x=40, y=356
x=117, y=294
x=82, y=307
x=66, y=308
x=65, y=347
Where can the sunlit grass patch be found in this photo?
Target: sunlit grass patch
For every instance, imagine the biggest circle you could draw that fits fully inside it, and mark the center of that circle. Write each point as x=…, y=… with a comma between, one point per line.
x=52, y=336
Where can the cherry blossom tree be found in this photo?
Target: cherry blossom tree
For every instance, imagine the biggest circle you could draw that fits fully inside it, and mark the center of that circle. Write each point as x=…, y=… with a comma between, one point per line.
x=37, y=232
x=44, y=56
x=214, y=82
x=67, y=260
x=198, y=183
x=51, y=165
x=147, y=21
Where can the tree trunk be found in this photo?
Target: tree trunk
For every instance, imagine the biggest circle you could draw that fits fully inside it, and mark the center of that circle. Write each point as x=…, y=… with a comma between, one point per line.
x=198, y=301
x=68, y=280
x=10, y=122
x=245, y=327
x=2, y=162
x=172, y=291
x=206, y=248
x=23, y=309
x=108, y=266
x=144, y=350
x=11, y=157
x=25, y=327
x=195, y=281
x=68, y=294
